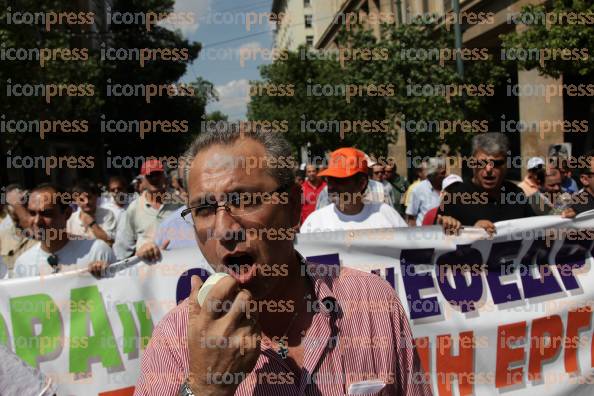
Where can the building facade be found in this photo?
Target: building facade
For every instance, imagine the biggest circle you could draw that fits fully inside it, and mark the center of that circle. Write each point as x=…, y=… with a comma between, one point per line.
x=303, y=21
x=529, y=110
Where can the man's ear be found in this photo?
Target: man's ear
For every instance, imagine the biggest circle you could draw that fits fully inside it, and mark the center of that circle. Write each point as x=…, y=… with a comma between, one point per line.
x=584, y=180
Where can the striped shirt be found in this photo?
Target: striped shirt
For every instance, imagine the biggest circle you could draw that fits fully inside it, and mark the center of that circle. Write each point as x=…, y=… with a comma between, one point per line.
x=360, y=332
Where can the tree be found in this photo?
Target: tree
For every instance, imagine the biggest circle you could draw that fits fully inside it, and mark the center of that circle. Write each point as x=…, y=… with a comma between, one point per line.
x=396, y=71
x=551, y=28
x=565, y=25
x=98, y=72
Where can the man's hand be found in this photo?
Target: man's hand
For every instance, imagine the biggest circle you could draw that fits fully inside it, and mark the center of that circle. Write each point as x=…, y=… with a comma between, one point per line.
x=150, y=251
x=487, y=226
x=238, y=330
x=86, y=218
x=450, y=225
x=568, y=213
x=97, y=268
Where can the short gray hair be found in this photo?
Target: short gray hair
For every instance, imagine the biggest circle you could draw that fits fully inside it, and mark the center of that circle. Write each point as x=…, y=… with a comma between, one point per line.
x=275, y=145
x=434, y=164
x=492, y=143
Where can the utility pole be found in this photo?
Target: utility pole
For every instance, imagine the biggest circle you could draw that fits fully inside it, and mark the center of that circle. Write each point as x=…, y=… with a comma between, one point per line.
x=458, y=37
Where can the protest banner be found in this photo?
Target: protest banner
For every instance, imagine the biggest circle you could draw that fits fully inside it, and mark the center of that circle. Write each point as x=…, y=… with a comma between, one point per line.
x=512, y=314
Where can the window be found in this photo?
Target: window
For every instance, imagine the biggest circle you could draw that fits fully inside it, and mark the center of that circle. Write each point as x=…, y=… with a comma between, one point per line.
x=308, y=21
x=306, y=3
x=309, y=41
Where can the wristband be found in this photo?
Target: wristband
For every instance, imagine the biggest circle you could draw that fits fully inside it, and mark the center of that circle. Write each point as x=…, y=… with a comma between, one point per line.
x=185, y=390
x=94, y=222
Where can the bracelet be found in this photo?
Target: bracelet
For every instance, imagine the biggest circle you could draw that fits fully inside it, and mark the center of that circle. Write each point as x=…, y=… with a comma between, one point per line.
x=185, y=390
x=94, y=222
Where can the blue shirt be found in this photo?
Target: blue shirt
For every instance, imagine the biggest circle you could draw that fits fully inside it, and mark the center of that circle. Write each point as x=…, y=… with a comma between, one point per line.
x=179, y=233
x=569, y=185
x=424, y=198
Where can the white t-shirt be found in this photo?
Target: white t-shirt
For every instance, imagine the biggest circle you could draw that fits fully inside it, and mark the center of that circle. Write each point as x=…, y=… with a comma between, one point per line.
x=104, y=218
x=118, y=211
x=76, y=254
x=373, y=215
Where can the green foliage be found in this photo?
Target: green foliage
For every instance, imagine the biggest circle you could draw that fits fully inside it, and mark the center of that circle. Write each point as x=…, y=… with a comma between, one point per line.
x=560, y=34
x=397, y=69
x=99, y=72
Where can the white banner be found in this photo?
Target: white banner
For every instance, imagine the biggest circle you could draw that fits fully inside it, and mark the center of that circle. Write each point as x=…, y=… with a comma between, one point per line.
x=525, y=326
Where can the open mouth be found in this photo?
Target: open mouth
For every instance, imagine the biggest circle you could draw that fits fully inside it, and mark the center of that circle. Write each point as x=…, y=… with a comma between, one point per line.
x=241, y=266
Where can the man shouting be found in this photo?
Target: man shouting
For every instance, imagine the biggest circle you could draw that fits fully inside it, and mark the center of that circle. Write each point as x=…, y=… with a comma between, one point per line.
x=274, y=326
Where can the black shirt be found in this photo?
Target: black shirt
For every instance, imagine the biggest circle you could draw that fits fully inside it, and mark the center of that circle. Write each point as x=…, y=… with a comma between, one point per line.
x=469, y=203
x=584, y=201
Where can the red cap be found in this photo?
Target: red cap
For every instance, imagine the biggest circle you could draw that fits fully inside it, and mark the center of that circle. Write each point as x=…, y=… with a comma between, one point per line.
x=151, y=166
x=345, y=162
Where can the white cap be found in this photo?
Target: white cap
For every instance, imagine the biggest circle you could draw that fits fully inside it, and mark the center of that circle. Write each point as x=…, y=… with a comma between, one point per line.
x=448, y=181
x=535, y=162
x=370, y=162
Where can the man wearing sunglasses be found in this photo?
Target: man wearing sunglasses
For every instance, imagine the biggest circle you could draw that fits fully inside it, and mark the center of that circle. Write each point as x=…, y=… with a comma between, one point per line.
x=242, y=216
x=487, y=198
x=585, y=199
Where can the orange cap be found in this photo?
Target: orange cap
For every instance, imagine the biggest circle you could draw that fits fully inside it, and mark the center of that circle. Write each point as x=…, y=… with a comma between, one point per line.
x=150, y=166
x=345, y=162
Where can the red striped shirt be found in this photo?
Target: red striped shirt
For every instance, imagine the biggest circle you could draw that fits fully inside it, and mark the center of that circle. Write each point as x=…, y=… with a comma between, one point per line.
x=368, y=337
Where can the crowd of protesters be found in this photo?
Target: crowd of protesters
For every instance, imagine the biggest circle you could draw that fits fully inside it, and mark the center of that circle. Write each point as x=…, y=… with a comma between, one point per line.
x=99, y=226
x=206, y=205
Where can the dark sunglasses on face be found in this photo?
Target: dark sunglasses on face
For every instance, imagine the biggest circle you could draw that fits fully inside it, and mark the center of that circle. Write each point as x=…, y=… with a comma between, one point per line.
x=494, y=163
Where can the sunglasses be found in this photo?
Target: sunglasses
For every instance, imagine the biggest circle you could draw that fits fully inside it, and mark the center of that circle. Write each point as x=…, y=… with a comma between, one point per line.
x=481, y=164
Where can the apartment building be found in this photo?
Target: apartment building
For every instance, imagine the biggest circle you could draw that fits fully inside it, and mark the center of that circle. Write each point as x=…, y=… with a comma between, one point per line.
x=304, y=21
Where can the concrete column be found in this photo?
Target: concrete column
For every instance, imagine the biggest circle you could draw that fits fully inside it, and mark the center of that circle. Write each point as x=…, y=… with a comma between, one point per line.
x=397, y=151
x=535, y=140
x=374, y=12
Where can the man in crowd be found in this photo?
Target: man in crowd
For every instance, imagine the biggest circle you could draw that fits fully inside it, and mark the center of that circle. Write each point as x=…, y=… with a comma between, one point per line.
x=268, y=344
x=584, y=201
x=568, y=185
x=375, y=192
x=347, y=181
x=118, y=198
x=535, y=174
x=174, y=232
x=89, y=220
x=431, y=217
x=137, y=233
x=378, y=173
x=548, y=200
x=421, y=174
x=426, y=195
x=15, y=239
x=399, y=186
x=49, y=211
x=488, y=197
x=312, y=187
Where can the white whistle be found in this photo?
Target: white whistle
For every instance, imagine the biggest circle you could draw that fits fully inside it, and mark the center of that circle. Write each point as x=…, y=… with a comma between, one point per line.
x=209, y=284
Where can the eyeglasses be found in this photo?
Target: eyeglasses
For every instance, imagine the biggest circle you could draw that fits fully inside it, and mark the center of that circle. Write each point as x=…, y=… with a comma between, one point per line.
x=238, y=204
